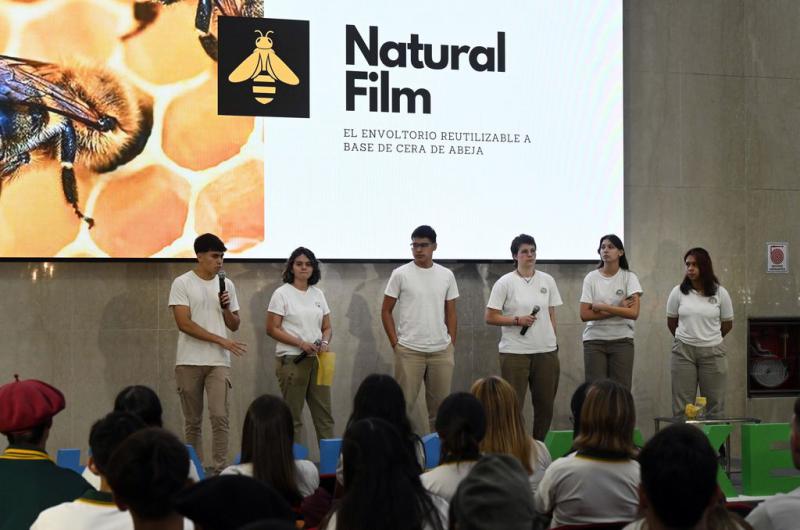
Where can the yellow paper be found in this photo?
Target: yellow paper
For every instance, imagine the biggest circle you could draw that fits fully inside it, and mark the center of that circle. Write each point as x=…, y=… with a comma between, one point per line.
x=326, y=368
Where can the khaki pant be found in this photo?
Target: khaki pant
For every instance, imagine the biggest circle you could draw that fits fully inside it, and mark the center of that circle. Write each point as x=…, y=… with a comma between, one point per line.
x=540, y=372
x=216, y=381
x=298, y=384
x=609, y=359
x=697, y=365
x=435, y=369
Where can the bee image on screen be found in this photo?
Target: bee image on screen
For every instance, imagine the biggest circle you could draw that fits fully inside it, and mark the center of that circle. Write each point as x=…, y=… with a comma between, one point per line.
x=68, y=113
x=264, y=67
x=145, y=12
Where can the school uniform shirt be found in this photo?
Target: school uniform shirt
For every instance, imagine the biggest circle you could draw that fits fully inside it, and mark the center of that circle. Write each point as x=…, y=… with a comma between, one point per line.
x=29, y=483
x=202, y=298
x=699, y=317
x=513, y=295
x=94, y=480
x=419, y=311
x=443, y=480
x=93, y=509
x=779, y=512
x=302, y=313
x=579, y=489
x=601, y=289
x=306, y=475
x=540, y=462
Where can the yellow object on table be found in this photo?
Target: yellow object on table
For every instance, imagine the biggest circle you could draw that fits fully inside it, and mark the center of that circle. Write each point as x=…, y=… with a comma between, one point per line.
x=326, y=368
x=691, y=411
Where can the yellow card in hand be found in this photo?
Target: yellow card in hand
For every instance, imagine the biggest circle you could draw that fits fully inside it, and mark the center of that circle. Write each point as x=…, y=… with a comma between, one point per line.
x=327, y=366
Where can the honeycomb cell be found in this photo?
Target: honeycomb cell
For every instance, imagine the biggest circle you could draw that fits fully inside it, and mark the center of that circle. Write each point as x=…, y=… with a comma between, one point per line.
x=4, y=31
x=195, y=136
x=75, y=30
x=233, y=207
x=168, y=50
x=37, y=220
x=140, y=214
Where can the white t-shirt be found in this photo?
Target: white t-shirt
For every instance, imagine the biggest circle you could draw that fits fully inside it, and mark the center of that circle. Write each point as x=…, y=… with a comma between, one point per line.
x=302, y=313
x=92, y=511
x=419, y=312
x=699, y=317
x=612, y=291
x=540, y=464
x=202, y=298
x=442, y=508
x=514, y=296
x=779, y=512
x=582, y=490
x=443, y=480
x=306, y=475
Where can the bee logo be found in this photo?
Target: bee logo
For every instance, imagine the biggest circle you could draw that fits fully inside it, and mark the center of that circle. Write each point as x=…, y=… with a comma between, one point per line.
x=620, y=292
x=264, y=68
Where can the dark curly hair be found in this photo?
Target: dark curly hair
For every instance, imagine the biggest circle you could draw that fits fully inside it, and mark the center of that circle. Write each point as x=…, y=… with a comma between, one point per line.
x=288, y=275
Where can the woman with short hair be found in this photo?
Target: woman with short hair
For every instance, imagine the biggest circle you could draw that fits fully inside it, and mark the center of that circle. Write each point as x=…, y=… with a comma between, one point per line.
x=599, y=482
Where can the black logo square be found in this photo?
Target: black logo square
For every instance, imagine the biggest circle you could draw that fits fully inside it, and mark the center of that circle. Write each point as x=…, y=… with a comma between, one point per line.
x=263, y=67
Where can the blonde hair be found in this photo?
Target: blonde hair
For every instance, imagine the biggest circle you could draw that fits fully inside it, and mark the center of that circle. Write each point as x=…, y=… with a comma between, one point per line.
x=505, y=428
x=608, y=417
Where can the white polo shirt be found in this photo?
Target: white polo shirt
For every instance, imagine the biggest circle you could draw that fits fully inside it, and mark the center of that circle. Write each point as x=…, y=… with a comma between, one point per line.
x=699, y=317
x=302, y=313
x=598, y=288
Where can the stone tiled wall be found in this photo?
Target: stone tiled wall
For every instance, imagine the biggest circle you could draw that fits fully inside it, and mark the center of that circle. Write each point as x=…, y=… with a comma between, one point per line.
x=711, y=117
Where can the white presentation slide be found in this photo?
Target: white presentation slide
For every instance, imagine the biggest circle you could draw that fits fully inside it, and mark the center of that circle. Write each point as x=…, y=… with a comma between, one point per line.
x=483, y=120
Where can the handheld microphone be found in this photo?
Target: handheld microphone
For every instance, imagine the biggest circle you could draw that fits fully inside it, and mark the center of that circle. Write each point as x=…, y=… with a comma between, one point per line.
x=304, y=354
x=524, y=329
x=221, y=275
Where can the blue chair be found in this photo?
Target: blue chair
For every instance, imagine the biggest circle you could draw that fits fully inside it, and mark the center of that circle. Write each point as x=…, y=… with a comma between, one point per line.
x=70, y=459
x=300, y=452
x=201, y=473
x=433, y=448
x=329, y=455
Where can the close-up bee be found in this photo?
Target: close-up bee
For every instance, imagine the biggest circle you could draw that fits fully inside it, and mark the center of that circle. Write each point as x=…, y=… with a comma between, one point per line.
x=74, y=114
x=264, y=67
x=145, y=13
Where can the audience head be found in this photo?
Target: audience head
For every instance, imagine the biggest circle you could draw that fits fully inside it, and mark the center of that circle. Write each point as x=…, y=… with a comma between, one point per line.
x=267, y=440
x=146, y=471
x=26, y=411
x=575, y=406
x=608, y=417
x=795, y=438
x=505, y=428
x=495, y=494
x=142, y=401
x=231, y=501
x=679, y=476
x=107, y=434
x=461, y=425
x=382, y=480
x=699, y=267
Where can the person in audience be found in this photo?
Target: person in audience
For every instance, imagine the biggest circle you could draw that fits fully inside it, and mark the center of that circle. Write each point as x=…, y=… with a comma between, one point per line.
x=145, y=473
x=505, y=430
x=380, y=396
x=96, y=509
x=679, y=484
x=782, y=511
x=461, y=425
x=598, y=483
x=699, y=315
x=382, y=483
x=576, y=405
x=29, y=480
x=143, y=402
x=299, y=319
x=492, y=496
x=610, y=307
x=232, y=501
x=267, y=454
x=523, y=302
